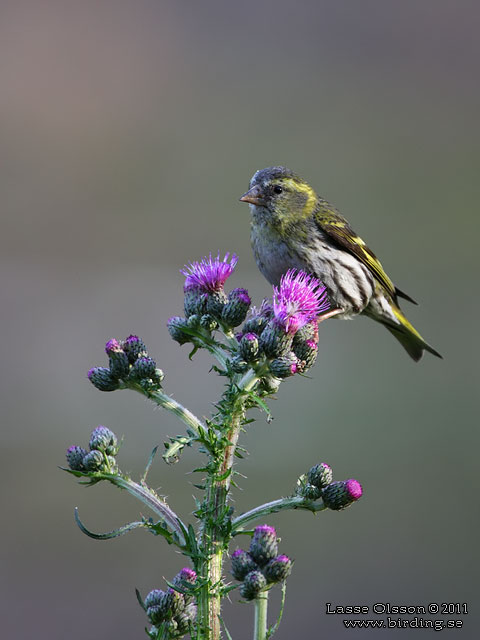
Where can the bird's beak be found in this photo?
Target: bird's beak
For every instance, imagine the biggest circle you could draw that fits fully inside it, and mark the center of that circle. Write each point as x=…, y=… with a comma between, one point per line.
x=254, y=196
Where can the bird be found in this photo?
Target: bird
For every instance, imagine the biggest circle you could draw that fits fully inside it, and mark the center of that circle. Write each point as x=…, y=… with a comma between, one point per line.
x=294, y=228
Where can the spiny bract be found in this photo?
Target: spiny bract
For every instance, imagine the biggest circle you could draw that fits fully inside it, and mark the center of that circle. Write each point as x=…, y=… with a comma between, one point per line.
x=293, y=227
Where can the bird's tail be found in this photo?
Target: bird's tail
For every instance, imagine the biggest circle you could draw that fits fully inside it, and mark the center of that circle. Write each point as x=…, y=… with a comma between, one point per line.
x=407, y=335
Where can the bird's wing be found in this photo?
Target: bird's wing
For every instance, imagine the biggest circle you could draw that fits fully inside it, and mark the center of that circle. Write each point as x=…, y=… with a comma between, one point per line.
x=338, y=229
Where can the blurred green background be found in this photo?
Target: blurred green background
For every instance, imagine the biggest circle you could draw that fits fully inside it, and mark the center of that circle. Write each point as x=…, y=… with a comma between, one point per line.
x=129, y=131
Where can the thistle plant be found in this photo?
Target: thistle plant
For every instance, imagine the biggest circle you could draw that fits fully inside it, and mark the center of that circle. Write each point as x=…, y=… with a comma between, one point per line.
x=255, y=349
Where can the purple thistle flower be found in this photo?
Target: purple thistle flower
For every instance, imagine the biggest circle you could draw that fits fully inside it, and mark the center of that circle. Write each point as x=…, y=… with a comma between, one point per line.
x=134, y=347
x=354, y=489
x=112, y=346
x=339, y=495
x=242, y=295
x=298, y=300
x=210, y=274
x=185, y=575
x=265, y=529
x=264, y=545
x=265, y=310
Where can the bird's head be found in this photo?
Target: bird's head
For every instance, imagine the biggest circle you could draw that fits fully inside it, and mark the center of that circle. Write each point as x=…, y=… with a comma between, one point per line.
x=279, y=196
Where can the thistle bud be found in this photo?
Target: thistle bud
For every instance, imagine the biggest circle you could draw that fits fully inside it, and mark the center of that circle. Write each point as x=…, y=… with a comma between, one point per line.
x=119, y=364
x=253, y=583
x=191, y=611
x=112, y=345
x=104, y=440
x=171, y=628
x=310, y=492
x=306, y=352
x=264, y=546
x=143, y=368
x=154, y=598
x=242, y=563
x=274, y=341
x=75, y=456
x=216, y=301
x=156, y=606
x=259, y=318
x=320, y=475
x=285, y=366
x=186, y=618
x=249, y=346
x=278, y=569
x=239, y=365
x=94, y=460
x=155, y=614
x=307, y=490
x=255, y=324
x=195, y=302
x=176, y=328
x=135, y=348
x=208, y=322
x=339, y=495
x=185, y=575
x=193, y=321
x=307, y=332
x=102, y=379
x=174, y=602
x=235, y=310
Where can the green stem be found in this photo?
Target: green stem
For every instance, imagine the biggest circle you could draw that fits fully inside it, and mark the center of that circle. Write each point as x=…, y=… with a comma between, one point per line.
x=213, y=538
x=170, y=404
x=218, y=352
x=261, y=608
x=248, y=380
x=282, y=504
x=156, y=504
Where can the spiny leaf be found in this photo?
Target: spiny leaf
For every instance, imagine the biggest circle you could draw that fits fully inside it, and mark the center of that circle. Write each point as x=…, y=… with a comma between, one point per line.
x=176, y=446
x=140, y=599
x=224, y=476
x=193, y=351
x=261, y=403
x=149, y=464
x=230, y=587
x=160, y=529
x=110, y=534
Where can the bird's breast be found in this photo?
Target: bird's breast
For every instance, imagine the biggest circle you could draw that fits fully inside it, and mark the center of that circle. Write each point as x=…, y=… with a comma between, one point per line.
x=273, y=254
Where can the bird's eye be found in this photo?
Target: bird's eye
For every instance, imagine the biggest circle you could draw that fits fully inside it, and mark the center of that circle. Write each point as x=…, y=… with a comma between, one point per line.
x=277, y=189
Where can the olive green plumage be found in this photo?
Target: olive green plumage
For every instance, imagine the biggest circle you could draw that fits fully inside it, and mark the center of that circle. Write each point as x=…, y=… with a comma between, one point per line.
x=293, y=227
